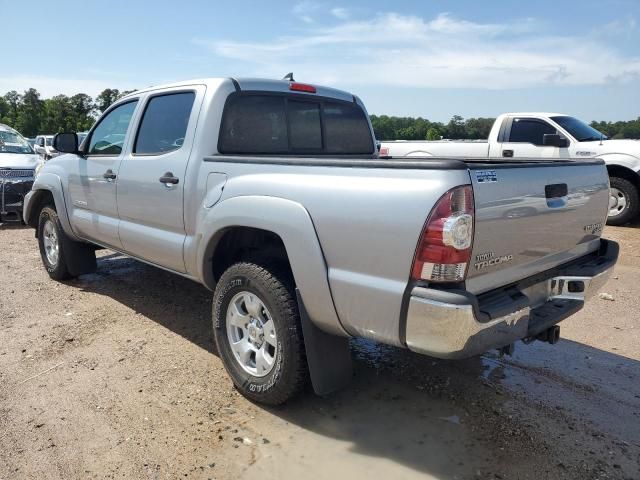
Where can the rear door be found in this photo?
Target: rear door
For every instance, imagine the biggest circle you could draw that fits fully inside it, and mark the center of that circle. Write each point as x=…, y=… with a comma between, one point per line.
x=523, y=138
x=151, y=183
x=531, y=217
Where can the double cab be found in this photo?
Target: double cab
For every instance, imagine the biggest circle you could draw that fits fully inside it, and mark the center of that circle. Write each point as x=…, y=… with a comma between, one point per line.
x=272, y=195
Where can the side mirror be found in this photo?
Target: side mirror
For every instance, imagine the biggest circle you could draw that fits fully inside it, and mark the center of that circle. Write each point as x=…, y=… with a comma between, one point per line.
x=554, y=140
x=66, y=142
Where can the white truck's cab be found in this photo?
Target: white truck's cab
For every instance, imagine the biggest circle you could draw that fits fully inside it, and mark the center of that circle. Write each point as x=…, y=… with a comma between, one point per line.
x=547, y=135
x=44, y=147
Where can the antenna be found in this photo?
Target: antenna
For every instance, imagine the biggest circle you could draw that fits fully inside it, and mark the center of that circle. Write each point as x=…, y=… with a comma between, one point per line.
x=289, y=77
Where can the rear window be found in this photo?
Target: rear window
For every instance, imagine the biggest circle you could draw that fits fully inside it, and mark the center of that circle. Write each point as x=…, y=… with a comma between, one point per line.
x=281, y=124
x=346, y=129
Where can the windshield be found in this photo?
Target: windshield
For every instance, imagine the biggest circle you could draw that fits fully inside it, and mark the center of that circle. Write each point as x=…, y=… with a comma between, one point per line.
x=11, y=142
x=578, y=129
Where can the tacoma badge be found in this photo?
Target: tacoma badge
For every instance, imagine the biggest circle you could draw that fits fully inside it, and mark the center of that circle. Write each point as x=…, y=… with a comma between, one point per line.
x=489, y=259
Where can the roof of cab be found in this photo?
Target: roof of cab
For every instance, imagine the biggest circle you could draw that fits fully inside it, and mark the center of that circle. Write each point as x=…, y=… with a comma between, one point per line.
x=253, y=84
x=535, y=114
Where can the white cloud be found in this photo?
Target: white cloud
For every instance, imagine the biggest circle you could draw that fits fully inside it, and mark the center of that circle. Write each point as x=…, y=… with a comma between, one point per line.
x=340, y=13
x=405, y=50
x=304, y=10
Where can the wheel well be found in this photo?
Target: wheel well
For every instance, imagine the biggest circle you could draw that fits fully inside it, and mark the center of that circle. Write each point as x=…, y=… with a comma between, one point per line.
x=253, y=244
x=623, y=172
x=41, y=198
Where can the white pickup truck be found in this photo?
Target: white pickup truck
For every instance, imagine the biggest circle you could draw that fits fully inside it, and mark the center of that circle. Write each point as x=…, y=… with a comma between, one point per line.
x=546, y=135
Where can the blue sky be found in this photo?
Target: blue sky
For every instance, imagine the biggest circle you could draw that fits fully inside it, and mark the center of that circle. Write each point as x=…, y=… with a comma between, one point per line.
x=421, y=58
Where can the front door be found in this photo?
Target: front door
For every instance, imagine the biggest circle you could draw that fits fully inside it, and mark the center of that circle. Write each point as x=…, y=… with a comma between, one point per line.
x=151, y=182
x=93, y=178
x=525, y=140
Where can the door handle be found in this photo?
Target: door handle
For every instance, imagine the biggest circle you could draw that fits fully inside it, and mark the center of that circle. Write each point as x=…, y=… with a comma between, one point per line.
x=109, y=175
x=507, y=153
x=169, y=179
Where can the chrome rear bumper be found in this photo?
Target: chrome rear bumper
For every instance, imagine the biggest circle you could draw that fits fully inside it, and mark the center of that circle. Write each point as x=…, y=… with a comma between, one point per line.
x=455, y=324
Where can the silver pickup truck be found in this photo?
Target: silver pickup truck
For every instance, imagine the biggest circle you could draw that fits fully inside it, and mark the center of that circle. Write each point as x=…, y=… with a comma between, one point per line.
x=272, y=195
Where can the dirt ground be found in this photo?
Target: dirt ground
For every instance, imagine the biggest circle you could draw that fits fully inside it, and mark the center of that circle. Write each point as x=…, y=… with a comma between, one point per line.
x=114, y=375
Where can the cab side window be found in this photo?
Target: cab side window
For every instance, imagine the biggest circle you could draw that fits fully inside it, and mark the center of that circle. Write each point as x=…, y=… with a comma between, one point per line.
x=108, y=137
x=529, y=130
x=164, y=123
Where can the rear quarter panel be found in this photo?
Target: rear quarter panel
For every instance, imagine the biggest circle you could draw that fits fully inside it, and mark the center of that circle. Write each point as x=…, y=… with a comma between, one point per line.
x=367, y=220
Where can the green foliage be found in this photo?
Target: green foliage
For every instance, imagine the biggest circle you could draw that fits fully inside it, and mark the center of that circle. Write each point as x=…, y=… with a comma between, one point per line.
x=408, y=128
x=630, y=129
x=31, y=115
x=433, y=134
x=106, y=98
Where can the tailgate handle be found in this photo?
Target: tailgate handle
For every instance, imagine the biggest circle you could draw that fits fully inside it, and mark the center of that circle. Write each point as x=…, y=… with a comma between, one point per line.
x=556, y=190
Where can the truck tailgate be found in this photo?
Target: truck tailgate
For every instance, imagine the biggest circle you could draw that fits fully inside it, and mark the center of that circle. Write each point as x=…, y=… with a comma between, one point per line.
x=532, y=216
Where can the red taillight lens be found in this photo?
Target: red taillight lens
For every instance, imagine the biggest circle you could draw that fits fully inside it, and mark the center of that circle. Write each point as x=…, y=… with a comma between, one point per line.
x=444, y=249
x=302, y=87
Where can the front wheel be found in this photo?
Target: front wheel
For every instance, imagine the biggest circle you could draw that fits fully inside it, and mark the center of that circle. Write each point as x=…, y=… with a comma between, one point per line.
x=624, y=203
x=258, y=333
x=62, y=257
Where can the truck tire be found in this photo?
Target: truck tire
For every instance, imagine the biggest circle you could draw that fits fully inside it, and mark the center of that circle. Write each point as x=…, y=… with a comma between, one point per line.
x=258, y=333
x=62, y=257
x=624, y=203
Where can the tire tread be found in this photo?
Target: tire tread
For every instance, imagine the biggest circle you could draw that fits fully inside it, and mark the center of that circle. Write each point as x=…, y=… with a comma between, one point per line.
x=280, y=285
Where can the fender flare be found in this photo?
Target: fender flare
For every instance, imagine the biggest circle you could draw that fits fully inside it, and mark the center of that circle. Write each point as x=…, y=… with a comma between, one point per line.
x=292, y=223
x=50, y=182
x=622, y=160
x=419, y=153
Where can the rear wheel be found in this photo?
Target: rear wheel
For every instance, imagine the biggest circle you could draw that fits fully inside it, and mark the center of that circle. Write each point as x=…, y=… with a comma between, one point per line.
x=624, y=203
x=258, y=332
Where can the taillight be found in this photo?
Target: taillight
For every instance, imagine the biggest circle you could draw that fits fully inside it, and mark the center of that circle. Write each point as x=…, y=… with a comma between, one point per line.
x=302, y=87
x=444, y=249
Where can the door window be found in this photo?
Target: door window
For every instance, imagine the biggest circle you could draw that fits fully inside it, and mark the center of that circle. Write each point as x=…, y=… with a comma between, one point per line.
x=164, y=124
x=529, y=130
x=108, y=137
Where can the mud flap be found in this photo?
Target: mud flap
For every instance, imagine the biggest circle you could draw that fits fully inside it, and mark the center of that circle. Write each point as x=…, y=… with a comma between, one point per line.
x=83, y=258
x=328, y=356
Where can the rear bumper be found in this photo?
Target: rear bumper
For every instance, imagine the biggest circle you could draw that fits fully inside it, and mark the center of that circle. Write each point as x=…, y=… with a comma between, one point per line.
x=456, y=324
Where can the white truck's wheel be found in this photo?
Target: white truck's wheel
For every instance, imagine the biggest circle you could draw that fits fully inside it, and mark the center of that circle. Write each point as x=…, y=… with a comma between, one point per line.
x=258, y=333
x=624, y=203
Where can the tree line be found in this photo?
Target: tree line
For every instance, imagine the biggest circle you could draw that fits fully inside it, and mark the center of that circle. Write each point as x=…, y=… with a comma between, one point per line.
x=409, y=128
x=32, y=115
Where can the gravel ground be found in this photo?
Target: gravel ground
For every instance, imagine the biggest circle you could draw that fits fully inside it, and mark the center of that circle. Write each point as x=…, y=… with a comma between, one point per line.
x=114, y=375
